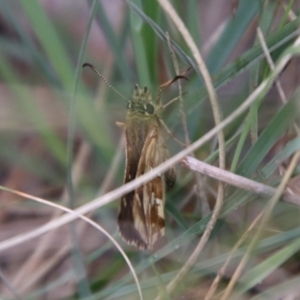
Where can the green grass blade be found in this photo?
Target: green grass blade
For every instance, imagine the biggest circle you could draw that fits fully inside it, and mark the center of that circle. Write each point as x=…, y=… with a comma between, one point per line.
x=269, y=265
x=115, y=46
x=269, y=137
x=51, y=42
x=232, y=34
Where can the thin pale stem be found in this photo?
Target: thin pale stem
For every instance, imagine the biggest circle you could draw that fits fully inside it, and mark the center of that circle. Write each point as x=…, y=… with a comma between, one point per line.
x=200, y=187
x=264, y=220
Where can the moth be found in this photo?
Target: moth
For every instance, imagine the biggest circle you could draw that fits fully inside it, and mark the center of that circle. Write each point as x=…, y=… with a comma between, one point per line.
x=141, y=219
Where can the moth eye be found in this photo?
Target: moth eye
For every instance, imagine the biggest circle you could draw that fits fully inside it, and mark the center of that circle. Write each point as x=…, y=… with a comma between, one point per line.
x=150, y=109
x=145, y=89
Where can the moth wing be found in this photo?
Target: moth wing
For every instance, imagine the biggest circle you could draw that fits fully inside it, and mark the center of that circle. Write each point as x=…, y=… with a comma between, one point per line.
x=131, y=218
x=131, y=222
x=151, y=196
x=141, y=216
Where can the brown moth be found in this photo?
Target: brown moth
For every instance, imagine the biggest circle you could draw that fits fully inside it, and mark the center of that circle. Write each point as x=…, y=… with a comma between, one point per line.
x=141, y=216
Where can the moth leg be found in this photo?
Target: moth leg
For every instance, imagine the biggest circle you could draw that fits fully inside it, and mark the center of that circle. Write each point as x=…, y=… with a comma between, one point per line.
x=170, y=174
x=170, y=177
x=170, y=134
x=120, y=124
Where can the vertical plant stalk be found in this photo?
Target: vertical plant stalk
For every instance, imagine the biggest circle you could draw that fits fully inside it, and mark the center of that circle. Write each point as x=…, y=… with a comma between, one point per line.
x=271, y=63
x=209, y=295
x=217, y=279
x=272, y=67
x=165, y=4
x=280, y=189
x=200, y=190
x=267, y=214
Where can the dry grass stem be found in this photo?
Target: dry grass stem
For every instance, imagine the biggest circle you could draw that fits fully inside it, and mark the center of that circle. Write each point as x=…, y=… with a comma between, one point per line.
x=221, y=272
x=37, y=256
x=9, y=286
x=200, y=190
x=272, y=67
x=236, y=180
x=87, y=220
x=217, y=118
x=271, y=63
x=267, y=213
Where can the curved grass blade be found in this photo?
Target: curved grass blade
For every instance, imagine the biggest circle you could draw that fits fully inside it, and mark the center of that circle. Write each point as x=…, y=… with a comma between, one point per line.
x=269, y=137
x=264, y=269
x=114, y=43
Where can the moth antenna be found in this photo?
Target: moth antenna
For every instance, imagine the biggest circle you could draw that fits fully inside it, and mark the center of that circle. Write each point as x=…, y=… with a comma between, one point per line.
x=104, y=79
x=168, y=83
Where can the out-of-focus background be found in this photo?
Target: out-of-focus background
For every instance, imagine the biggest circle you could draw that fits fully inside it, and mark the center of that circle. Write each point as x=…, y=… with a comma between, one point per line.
x=57, y=118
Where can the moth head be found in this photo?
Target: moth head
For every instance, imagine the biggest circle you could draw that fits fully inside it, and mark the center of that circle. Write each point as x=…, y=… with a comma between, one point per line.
x=141, y=101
